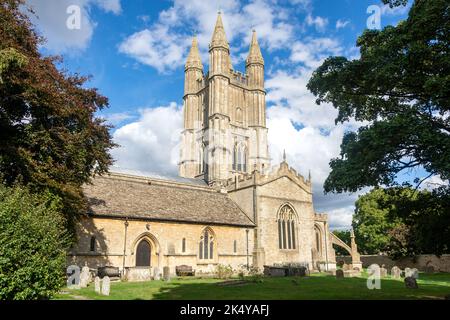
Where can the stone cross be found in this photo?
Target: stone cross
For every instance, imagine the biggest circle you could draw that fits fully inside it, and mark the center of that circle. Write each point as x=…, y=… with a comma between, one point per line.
x=106, y=283
x=97, y=285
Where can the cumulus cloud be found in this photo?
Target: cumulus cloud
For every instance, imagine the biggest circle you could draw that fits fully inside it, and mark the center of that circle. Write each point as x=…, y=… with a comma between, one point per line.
x=319, y=23
x=164, y=44
x=151, y=143
x=51, y=18
x=340, y=24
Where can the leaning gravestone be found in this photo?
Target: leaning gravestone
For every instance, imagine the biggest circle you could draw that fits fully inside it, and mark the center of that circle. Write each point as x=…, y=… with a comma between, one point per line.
x=97, y=285
x=395, y=272
x=411, y=283
x=85, y=276
x=106, y=286
x=166, y=273
x=339, y=273
x=156, y=274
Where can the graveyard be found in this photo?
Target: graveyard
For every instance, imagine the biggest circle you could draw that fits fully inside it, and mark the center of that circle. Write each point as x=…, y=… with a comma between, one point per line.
x=317, y=286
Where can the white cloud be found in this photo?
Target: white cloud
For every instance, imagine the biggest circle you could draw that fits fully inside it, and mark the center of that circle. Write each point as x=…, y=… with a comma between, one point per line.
x=319, y=23
x=312, y=51
x=340, y=24
x=117, y=118
x=150, y=144
x=396, y=11
x=51, y=21
x=164, y=45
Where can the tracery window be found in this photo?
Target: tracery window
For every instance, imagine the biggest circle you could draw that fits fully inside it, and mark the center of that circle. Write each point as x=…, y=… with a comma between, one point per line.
x=240, y=157
x=206, y=245
x=287, y=230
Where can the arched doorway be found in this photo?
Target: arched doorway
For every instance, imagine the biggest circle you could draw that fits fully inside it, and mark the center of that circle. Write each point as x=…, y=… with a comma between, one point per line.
x=143, y=254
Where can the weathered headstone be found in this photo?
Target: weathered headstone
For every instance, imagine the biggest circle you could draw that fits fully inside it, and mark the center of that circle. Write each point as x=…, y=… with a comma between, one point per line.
x=415, y=273
x=411, y=283
x=166, y=274
x=85, y=276
x=429, y=269
x=339, y=273
x=408, y=272
x=345, y=267
x=97, y=285
x=106, y=286
x=395, y=272
x=156, y=274
x=383, y=272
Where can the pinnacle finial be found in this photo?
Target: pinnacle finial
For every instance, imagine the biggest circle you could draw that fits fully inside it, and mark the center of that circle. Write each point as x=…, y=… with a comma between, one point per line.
x=219, y=38
x=284, y=155
x=254, y=55
x=309, y=176
x=193, y=59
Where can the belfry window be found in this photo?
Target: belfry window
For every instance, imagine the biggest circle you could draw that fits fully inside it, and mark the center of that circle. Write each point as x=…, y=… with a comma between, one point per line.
x=287, y=228
x=206, y=245
x=240, y=158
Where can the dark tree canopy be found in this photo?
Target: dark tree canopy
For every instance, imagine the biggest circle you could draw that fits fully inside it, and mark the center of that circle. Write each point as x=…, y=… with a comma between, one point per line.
x=49, y=135
x=401, y=87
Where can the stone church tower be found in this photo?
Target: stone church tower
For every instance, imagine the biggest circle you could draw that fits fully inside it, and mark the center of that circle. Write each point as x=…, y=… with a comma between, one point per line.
x=225, y=131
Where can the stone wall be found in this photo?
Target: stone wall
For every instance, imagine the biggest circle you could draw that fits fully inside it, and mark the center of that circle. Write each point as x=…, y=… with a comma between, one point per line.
x=420, y=262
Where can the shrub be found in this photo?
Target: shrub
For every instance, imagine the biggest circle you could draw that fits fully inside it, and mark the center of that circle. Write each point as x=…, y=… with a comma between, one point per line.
x=224, y=272
x=33, y=245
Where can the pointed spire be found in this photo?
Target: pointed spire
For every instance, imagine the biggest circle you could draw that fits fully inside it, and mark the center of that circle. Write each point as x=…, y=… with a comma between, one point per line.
x=309, y=176
x=284, y=155
x=193, y=59
x=254, y=55
x=219, y=38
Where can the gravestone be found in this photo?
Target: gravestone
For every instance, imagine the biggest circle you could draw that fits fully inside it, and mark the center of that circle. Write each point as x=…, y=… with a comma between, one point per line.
x=415, y=273
x=85, y=276
x=97, y=285
x=339, y=274
x=345, y=267
x=166, y=274
x=411, y=283
x=156, y=274
x=429, y=269
x=106, y=286
x=408, y=272
x=395, y=272
x=383, y=272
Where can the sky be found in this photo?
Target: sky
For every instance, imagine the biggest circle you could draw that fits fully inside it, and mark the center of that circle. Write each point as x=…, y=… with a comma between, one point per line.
x=135, y=51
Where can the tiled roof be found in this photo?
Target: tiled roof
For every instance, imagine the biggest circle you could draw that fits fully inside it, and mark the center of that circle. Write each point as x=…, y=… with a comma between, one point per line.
x=119, y=195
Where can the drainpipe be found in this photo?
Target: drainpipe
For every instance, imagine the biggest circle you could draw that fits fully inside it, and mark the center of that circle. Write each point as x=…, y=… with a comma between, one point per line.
x=248, y=266
x=326, y=245
x=124, y=247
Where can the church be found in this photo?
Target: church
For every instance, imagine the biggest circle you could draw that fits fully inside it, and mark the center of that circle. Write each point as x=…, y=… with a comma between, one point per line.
x=229, y=205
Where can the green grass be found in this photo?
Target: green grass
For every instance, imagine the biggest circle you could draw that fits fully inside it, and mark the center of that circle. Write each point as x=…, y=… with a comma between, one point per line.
x=317, y=286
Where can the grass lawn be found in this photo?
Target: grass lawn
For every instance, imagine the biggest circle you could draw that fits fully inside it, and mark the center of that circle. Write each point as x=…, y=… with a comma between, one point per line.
x=317, y=286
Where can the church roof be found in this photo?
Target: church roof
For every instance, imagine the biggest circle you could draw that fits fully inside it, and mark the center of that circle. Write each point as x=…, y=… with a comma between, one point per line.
x=125, y=196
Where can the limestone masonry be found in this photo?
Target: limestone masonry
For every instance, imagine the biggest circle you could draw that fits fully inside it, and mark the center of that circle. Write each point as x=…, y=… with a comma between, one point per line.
x=229, y=206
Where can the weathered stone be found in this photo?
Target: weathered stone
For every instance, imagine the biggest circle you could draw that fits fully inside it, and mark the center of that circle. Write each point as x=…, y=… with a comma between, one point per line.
x=156, y=274
x=411, y=283
x=97, y=284
x=429, y=269
x=408, y=272
x=106, y=286
x=395, y=272
x=166, y=274
x=85, y=276
x=415, y=273
x=383, y=272
x=339, y=273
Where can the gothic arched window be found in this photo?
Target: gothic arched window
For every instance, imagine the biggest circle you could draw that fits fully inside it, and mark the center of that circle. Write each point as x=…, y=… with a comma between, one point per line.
x=183, y=245
x=287, y=228
x=206, y=245
x=240, y=157
x=318, y=237
x=93, y=244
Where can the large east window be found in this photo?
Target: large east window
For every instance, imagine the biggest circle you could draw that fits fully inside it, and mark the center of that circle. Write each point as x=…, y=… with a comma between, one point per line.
x=287, y=229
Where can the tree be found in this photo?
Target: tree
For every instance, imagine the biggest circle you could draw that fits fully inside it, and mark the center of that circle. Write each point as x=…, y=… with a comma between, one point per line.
x=401, y=87
x=33, y=243
x=372, y=223
x=50, y=138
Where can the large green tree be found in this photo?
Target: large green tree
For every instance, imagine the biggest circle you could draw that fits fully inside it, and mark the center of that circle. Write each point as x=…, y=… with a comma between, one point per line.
x=50, y=138
x=401, y=86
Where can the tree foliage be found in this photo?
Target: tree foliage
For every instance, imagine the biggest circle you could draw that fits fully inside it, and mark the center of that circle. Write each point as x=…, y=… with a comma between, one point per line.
x=400, y=86
x=50, y=138
x=33, y=243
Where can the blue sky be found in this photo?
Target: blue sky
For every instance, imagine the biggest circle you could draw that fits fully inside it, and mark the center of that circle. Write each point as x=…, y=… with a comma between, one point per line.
x=135, y=50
